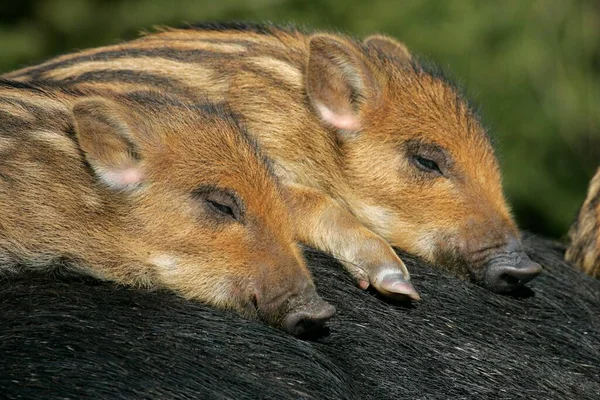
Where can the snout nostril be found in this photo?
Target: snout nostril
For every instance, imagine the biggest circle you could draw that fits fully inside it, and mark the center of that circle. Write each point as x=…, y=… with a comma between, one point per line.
x=509, y=279
x=506, y=278
x=303, y=321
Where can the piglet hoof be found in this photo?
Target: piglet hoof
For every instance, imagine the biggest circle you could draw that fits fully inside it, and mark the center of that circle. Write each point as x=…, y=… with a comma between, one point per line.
x=394, y=285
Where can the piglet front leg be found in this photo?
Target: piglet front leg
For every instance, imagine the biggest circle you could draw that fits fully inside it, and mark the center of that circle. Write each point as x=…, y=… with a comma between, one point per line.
x=322, y=223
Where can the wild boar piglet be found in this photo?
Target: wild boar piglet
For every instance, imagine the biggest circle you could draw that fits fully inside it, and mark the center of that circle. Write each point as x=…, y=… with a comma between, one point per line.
x=584, y=235
x=144, y=190
x=378, y=148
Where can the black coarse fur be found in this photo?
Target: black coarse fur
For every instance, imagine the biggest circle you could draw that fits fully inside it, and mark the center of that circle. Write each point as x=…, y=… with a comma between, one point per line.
x=73, y=337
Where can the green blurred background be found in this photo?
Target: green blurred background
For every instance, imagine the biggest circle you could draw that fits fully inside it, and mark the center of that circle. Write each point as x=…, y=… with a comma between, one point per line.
x=532, y=66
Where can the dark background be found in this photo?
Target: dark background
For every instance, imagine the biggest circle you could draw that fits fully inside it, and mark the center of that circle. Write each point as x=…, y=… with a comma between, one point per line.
x=532, y=66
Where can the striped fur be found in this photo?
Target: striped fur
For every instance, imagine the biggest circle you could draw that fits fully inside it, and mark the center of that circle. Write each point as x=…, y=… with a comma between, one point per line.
x=145, y=189
x=584, y=249
x=377, y=147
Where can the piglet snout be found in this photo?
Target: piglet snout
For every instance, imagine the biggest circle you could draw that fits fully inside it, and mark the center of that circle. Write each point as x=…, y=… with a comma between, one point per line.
x=503, y=276
x=308, y=317
x=294, y=306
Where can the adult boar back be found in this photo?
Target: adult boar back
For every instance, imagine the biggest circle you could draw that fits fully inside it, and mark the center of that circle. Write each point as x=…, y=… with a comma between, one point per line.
x=74, y=338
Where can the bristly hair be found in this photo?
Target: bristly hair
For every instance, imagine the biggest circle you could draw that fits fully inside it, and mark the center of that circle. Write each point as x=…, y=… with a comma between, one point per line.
x=263, y=28
x=8, y=83
x=420, y=64
x=220, y=110
x=47, y=87
x=425, y=65
x=224, y=111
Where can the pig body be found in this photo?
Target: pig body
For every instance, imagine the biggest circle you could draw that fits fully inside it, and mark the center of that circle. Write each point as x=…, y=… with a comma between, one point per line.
x=144, y=190
x=69, y=337
x=584, y=235
x=374, y=147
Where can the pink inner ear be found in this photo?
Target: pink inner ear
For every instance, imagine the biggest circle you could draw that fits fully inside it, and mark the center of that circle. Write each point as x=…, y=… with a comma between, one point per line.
x=122, y=178
x=345, y=121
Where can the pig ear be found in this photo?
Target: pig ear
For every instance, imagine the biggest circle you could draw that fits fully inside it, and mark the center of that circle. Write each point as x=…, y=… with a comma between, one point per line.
x=390, y=47
x=339, y=81
x=106, y=140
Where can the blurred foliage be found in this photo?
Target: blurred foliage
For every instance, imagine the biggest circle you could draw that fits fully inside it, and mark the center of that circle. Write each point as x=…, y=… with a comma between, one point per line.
x=532, y=66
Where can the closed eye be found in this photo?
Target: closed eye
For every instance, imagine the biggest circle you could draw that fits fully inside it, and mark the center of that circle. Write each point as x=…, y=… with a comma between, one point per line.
x=222, y=208
x=427, y=164
x=222, y=204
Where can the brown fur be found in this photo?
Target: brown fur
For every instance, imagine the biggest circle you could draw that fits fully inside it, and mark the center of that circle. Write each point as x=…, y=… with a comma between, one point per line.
x=345, y=121
x=584, y=250
x=128, y=188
